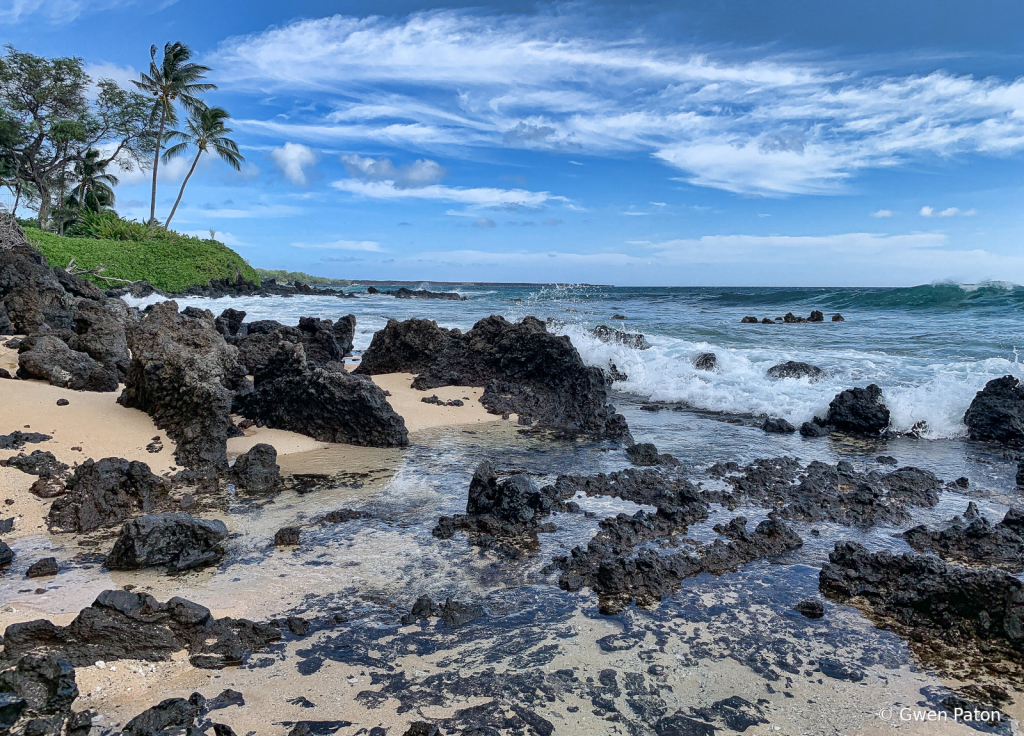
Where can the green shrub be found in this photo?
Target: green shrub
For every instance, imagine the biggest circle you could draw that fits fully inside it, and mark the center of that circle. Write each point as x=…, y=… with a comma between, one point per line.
x=169, y=261
x=290, y=277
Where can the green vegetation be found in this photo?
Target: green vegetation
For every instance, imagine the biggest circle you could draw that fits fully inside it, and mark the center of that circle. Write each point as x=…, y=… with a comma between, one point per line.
x=168, y=261
x=290, y=277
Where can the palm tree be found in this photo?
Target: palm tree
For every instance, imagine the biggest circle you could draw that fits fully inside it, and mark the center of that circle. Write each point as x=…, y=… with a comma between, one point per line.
x=174, y=79
x=95, y=190
x=205, y=130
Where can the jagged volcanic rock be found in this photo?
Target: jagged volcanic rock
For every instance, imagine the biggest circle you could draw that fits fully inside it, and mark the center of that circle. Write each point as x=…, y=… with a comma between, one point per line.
x=326, y=405
x=127, y=625
x=257, y=471
x=974, y=540
x=106, y=492
x=997, y=412
x=859, y=411
x=796, y=369
x=630, y=339
x=49, y=359
x=182, y=374
x=405, y=347
x=176, y=541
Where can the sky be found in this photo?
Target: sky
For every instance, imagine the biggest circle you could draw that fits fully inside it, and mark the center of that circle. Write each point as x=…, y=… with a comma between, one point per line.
x=791, y=143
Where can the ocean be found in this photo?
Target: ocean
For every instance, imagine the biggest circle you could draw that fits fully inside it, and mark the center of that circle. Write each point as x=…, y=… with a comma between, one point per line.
x=930, y=348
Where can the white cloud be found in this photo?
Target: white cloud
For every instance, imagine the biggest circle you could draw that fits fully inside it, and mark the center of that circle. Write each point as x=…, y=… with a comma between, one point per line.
x=485, y=222
x=882, y=213
x=957, y=212
x=476, y=197
x=362, y=245
x=773, y=125
x=421, y=173
x=123, y=75
x=294, y=159
x=927, y=211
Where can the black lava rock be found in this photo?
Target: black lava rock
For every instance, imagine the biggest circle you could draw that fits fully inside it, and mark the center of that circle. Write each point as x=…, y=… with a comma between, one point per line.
x=706, y=362
x=405, y=347
x=106, y=492
x=48, y=358
x=176, y=541
x=629, y=339
x=796, y=369
x=775, y=425
x=286, y=536
x=859, y=411
x=43, y=568
x=257, y=471
x=811, y=608
x=997, y=412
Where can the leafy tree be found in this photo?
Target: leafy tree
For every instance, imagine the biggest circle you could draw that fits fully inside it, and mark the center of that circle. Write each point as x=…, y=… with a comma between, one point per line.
x=173, y=79
x=52, y=123
x=205, y=130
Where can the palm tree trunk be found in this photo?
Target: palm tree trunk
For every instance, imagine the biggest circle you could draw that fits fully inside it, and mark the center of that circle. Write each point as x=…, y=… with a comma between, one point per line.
x=181, y=191
x=156, y=167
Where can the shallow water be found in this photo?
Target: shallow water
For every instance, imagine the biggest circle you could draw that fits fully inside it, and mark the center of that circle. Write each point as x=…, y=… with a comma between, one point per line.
x=930, y=349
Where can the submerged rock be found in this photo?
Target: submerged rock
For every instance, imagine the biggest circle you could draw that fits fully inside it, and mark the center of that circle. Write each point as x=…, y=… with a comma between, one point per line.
x=49, y=359
x=974, y=540
x=257, y=471
x=629, y=339
x=326, y=405
x=796, y=369
x=506, y=509
x=176, y=541
x=859, y=411
x=997, y=412
x=979, y=614
x=823, y=492
x=183, y=374
x=405, y=347
x=404, y=293
x=775, y=425
x=811, y=608
x=530, y=372
x=646, y=454
x=609, y=568
x=128, y=625
x=706, y=362
x=106, y=492
x=43, y=568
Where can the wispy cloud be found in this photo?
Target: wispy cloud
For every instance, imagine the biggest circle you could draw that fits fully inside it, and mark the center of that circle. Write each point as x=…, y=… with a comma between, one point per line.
x=882, y=213
x=421, y=173
x=927, y=211
x=765, y=124
x=362, y=245
x=474, y=197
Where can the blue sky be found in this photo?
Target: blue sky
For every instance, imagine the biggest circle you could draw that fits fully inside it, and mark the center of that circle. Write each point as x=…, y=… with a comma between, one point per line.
x=695, y=143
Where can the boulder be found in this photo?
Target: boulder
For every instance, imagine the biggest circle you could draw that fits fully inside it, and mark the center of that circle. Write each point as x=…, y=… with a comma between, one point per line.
x=326, y=343
x=318, y=338
x=6, y=554
x=706, y=362
x=344, y=333
x=229, y=323
x=859, y=411
x=257, y=471
x=173, y=715
x=813, y=429
x=530, y=372
x=127, y=625
x=997, y=412
x=100, y=331
x=287, y=536
x=767, y=321
x=49, y=359
x=816, y=316
x=176, y=541
x=837, y=317
x=31, y=293
x=775, y=425
x=183, y=374
x=36, y=695
x=106, y=492
x=749, y=321
x=502, y=509
x=629, y=339
x=646, y=454
x=405, y=347
x=796, y=369
x=44, y=568
x=974, y=540
x=791, y=318
x=326, y=405
x=811, y=608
